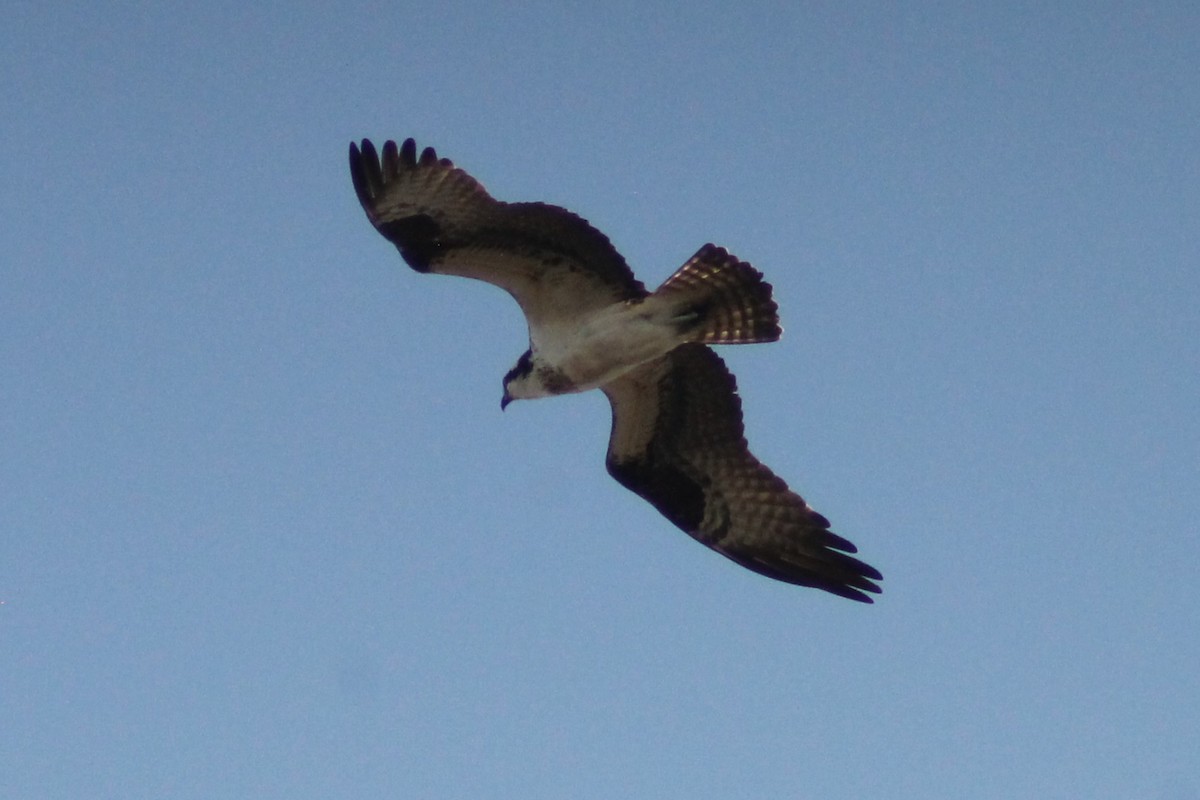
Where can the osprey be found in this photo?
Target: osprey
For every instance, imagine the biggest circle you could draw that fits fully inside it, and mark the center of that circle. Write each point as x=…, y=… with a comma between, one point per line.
x=677, y=436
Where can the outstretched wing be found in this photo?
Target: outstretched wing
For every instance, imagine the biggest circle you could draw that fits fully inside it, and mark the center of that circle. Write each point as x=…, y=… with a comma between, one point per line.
x=677, y=440
x=551, y=261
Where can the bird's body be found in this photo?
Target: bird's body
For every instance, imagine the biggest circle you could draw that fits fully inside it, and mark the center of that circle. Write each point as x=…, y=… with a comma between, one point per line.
x=677, y=437
x=600, y=345
x=604, y=346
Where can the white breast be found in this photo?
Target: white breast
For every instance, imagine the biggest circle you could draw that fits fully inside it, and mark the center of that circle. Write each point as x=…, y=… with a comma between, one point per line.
x=605, y=345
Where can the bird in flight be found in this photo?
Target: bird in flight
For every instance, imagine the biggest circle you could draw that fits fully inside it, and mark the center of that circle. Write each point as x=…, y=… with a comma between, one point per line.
x=677, y=436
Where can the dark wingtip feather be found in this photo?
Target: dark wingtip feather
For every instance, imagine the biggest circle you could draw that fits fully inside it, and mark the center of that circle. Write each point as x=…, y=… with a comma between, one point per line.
x=852, y=586
x=360, y=172
x=408, y=152
x=851, y=594
x=390, y=160
x=841, y=575
x=368, y=150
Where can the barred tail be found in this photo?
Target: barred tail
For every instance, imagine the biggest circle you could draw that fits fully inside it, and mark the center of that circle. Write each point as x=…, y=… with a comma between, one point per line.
x=725, y=300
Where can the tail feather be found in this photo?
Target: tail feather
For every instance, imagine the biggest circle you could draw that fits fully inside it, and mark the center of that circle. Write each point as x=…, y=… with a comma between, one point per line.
x=728, y=299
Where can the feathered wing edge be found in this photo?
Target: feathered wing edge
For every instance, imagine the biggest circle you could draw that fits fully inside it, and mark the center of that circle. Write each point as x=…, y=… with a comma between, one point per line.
x=677, y=441
x=442, y=220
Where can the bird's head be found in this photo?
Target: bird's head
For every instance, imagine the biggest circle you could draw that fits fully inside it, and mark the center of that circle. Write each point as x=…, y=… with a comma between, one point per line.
x=520, y=383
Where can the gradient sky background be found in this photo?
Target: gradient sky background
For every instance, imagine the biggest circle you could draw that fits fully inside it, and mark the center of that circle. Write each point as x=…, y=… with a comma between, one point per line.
x=265, y=533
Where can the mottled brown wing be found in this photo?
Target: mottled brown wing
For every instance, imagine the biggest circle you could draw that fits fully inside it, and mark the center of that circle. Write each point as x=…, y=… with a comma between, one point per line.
x=677, y=440
x=551, y=261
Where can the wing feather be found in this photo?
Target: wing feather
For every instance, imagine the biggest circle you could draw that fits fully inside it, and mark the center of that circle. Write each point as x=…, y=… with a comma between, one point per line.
x=551, y=261
x=677, y=440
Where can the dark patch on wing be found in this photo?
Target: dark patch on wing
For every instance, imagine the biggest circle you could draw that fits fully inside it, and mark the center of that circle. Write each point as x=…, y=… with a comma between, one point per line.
x=677, y=496
x=418, y=239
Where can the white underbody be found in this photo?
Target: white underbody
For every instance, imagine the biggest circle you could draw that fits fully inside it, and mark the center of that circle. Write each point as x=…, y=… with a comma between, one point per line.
x=599, y=348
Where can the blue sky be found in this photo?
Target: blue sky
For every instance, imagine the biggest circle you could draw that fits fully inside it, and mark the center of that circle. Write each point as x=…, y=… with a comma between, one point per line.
x=264, y=531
